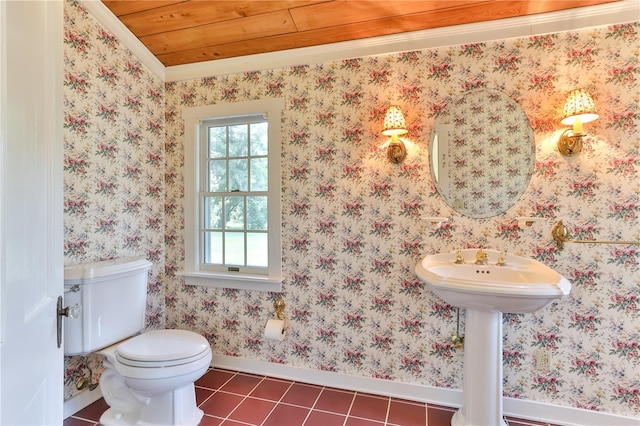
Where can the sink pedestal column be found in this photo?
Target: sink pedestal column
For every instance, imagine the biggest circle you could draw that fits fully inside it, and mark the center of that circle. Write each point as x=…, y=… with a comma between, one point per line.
x=482, y=380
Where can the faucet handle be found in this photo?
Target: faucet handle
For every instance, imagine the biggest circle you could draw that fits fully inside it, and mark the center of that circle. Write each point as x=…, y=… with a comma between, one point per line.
x=459, y=258
x=501, y=261
x=481, y=257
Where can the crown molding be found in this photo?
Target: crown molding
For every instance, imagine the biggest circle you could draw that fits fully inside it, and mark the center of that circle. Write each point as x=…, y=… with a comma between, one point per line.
x=566, y=20
x=107, y=19
x=606, y=14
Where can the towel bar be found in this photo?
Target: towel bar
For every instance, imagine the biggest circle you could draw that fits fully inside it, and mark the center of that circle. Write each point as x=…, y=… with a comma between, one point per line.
x=561, y=235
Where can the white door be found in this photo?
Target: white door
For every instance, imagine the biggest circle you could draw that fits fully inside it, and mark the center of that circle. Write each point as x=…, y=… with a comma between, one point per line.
x=31, y=262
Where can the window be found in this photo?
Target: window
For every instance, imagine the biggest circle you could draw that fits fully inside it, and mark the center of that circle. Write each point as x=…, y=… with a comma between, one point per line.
x=232, y=195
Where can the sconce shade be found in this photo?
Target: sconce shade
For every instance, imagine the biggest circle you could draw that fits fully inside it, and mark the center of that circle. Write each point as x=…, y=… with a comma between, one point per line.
x=580, y=106
x=578, y=109
x=394, y=123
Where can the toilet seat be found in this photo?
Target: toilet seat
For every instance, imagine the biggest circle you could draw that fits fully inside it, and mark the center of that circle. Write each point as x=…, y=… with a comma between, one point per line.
x=160, y=364
x=142, y=388
x=162, y=348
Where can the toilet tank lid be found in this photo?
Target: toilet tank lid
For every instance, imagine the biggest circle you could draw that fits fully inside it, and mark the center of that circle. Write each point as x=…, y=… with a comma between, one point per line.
x=84, y=272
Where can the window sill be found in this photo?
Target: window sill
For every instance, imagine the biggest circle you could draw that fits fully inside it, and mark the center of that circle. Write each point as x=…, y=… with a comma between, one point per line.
x=240, y=282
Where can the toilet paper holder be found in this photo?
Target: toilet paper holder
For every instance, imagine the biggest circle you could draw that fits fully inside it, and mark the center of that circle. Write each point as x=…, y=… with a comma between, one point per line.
x=278, y=307
x=277, y=327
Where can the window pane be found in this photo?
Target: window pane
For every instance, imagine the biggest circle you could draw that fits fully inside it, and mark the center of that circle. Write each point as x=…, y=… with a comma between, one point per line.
x=234, y=212
x=212, y=213
x=238, y=175
x=217, y=142
x=257, y=249
x=259, y=174
x=213, y=248
x=234, y=248
x=239, y=140
x=217, y=176
x=259, y=139
x=257, y=213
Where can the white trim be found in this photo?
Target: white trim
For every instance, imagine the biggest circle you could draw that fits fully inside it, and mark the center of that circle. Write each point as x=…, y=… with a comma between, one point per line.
x=409, y=391
x=606, y=14
x=80, y=401
x=3, y=159
x=518, y=408
x=559, y=414
x=241, y=282
x=107, y=19
x=191, y=272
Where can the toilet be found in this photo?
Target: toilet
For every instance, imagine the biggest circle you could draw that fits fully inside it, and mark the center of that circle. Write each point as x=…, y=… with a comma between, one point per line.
x=148, y=378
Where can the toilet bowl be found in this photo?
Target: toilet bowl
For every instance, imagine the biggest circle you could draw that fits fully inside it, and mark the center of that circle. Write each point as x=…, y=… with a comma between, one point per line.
x=148, y=379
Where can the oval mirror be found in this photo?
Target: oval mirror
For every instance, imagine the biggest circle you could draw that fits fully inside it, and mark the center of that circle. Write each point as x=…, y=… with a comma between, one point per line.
x=482, y=153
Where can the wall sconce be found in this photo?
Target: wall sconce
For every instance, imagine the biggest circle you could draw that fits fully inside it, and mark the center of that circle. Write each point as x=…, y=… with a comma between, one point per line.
x=394, y=125
x=578, y=109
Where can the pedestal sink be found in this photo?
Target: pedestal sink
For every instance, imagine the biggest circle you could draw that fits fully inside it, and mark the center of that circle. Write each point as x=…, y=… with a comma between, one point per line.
x=506, y=283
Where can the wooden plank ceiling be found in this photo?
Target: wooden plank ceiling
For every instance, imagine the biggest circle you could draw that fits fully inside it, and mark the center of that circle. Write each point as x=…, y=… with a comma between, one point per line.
x=187, y=31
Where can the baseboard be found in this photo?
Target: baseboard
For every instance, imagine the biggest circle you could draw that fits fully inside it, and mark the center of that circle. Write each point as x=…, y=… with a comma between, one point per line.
x=413, y=392
x=518, y=408
x=78, y=402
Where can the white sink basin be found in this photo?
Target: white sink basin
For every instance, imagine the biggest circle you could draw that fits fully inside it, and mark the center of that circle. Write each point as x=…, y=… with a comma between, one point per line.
x=522, y=285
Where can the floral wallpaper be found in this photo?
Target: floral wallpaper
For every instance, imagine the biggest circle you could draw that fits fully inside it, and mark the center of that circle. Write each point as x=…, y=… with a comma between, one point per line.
x=352, y=227
x=113, y=162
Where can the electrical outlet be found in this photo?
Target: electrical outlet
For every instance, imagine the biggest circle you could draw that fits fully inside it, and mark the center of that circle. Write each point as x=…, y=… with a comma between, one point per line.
x=543, y=360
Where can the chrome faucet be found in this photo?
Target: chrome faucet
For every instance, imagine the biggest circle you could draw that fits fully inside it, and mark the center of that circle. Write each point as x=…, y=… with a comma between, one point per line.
x=481, y=257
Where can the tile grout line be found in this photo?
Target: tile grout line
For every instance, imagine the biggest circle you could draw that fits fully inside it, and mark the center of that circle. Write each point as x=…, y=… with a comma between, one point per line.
x=346, y=418
x=214, y=391
x=312, y=405
x=311, y=408
x=381, y=422
x=220, y=387
x=207, y=398
x=277, y=402
x=386, y=417
x=246, y=395
x=84, y=419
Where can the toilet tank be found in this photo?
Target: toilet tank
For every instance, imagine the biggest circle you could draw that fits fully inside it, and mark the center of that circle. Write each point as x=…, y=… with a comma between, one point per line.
x=113, y=298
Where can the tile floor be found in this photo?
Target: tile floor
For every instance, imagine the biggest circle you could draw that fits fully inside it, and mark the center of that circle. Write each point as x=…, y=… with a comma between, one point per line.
x=231, y=398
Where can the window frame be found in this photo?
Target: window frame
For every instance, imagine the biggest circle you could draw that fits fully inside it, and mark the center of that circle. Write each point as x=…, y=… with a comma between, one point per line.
x=194, y=272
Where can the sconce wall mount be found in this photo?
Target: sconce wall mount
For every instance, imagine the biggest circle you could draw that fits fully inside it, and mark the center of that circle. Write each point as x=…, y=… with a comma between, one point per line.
x=394, y=125
x=570, y=144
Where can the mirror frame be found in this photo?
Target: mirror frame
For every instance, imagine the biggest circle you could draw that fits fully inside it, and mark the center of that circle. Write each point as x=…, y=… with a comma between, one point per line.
x=500, y=145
